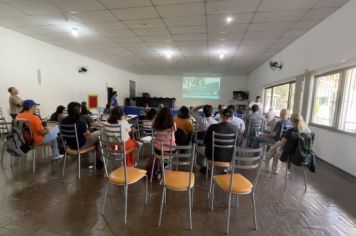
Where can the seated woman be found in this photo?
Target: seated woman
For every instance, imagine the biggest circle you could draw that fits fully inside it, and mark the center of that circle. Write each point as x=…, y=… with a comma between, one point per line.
x=165, y=127
x=85, y=117
x=184, y=126
x=58, y=115
x=284, y=150
x=117, y=117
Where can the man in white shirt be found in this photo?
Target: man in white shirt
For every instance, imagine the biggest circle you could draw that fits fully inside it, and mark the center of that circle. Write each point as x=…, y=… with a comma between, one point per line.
x=256, y=102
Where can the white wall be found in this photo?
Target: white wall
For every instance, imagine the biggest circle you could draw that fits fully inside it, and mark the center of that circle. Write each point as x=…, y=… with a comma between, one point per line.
x=171, y=86
x=21, y=56
x=323, y=47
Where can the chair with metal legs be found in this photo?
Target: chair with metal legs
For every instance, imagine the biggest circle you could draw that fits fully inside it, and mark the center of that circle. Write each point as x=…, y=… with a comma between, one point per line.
x=144, y=134
x=4, y=131
x=114, y=146
x=289, y=174
x=236, y=184
x=179, y=180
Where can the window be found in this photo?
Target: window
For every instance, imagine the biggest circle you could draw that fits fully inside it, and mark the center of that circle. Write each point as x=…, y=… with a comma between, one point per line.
x=279, y=97
x=324, y=103
x=334, y=100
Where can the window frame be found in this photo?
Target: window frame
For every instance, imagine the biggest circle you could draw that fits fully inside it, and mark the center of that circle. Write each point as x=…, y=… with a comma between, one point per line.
x=289, y=101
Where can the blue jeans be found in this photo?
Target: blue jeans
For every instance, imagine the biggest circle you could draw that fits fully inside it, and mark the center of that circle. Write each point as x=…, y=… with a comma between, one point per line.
x=51, y=137
x=262, y=139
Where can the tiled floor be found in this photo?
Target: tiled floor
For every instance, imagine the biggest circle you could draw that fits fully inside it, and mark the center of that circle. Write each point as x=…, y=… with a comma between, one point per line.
x=44, y=203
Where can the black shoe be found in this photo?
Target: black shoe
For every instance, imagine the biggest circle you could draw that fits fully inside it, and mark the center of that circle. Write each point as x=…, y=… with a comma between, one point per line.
x=99, y=165
x=203, y=170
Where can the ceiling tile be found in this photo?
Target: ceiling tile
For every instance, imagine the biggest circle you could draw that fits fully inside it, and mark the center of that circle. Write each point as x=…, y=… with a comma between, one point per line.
x=151, y=31
x=188, y=30
x=78, y=5
x=219, y=19
x=304, y=25
x=94, y=16
x=263, y=34
x=181, y=10
x=20, y=21
x=225, y=29
x=282, y=5
x=165, y=2
x=35, y=7
x=135, y=13
x=294, y=33
x=277, y=16
x=184, y=20
x=144, y=23
x=232, y=6
x=318, y=14
x=156, y=38
x=181, y=37
x=107, y=25
x=111, y=4
x=275, y=26
x=117, y=33
x=330, y=3
x=6, y=10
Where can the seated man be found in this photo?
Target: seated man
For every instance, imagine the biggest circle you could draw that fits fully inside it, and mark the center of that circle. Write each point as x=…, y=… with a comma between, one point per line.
x=225, y=127
x=41, y=135
x=255, y=120
x=237, y=121
x=85, y=138
x=273, y=136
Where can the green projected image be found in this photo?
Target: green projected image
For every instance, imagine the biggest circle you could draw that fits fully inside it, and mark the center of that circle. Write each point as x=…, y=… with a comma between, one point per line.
x=201, y=87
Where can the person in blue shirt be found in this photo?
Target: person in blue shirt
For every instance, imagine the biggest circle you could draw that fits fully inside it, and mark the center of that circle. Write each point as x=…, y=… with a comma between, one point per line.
x=113, y=100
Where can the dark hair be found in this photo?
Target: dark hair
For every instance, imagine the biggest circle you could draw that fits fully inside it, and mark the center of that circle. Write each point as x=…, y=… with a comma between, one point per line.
x=85, y=110
x=73, y=109
x=220, y=106
x=114, y=93
x=258, y=97
x=59, y=110
x=150, y=115
x=164, y=119
x=254, y=108
x=116, y=114
x=183, y=112
x=107, y=106
x=10, y=89
x=207, y=110
x=232, y=107
x=25, y=109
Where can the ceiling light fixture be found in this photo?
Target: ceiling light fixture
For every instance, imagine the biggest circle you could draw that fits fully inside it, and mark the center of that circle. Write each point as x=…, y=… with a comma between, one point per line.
x=221, y=55
x=229, y=19
x=168, y=55
x=75, y=32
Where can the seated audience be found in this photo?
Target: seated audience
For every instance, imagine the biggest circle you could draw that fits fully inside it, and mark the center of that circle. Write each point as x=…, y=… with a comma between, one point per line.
x=85, y=109
x=86, y=118
x=203, y=123
x=255, y=119
x=273, y=136
x=184, y=126
x=85, y=138
x=107, y=109
x=217, y=114
x=160, y=106
x=58, y=115
x=165, y=127
x=117, y=117
x=225, y=127
x=151, y=114
x=237, y=121
x=41, y=135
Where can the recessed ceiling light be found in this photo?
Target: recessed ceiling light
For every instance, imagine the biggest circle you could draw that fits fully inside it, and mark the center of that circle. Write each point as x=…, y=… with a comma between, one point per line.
x=221, y=55
x=229, y=19
x=168, y=54
x=75, y=32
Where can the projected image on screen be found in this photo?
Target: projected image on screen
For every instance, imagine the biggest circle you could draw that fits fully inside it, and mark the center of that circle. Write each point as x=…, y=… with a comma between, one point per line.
x=201, y=87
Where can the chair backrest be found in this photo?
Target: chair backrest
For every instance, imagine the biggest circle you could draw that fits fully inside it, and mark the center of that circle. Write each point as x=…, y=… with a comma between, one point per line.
x=183, y=156
x=254, y=128
x=1, y=115
x=224, y=141
x=69, y=132
x=4, y=130
x=248, y=159
x=112, y=146
x=144, y=128
x=284, y=130
x=157, y=138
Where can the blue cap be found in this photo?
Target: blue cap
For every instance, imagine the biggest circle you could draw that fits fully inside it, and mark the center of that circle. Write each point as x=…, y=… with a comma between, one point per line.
x=28, y=103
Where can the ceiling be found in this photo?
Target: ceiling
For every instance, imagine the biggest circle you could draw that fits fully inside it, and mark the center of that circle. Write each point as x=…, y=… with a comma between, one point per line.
x=174, y=37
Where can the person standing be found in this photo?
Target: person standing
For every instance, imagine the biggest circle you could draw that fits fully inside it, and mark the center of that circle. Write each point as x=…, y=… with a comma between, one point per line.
x=113, y=100
x=15, y=102
x=256, y=102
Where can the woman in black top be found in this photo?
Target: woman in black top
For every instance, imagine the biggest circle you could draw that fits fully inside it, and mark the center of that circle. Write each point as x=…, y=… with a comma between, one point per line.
x=58, y=115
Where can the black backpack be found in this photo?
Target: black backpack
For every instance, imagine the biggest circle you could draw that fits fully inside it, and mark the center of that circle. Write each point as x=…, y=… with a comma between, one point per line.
x=303, y=154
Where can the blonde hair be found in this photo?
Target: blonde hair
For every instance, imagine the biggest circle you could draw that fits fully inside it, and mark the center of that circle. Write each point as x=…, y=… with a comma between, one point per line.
x=299, y=123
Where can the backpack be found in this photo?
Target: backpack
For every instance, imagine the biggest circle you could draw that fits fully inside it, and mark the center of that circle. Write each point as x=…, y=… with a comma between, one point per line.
x=15, y=143
x=303, y=154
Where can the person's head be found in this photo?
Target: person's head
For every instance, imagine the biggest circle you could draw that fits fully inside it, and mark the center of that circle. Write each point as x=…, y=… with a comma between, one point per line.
x=258, y=99
x=226, y=115
x=160, y=106
x=29, y=106
x=284, y=114
x=151, y=114
x=146, y=105
x=116, y=114
x=183, y=112
x=271, y=109
x=164, y=119
x=231, y=107
x=220, y=106
x=13, y=91
x=107, y=106
x=254, y=108
x=207, y=110
x=60, y=109
x=74, y=109
x=85, y=109
x=114, y=93
x=299, y=123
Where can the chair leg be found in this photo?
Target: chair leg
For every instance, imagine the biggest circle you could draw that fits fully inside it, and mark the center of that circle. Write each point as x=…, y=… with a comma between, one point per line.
x=254, y=209
x=285, y=178
x=125, y=196
x=79, y=165
x=212, y=197
x=207, y=172
x=146, y=190
x=305, y=180
x=34, y=160
x=3, y=152
x=104, y=200
x=64, y=163
x=237, y=201
x=192, y=197
x=152, y=169
x=211, y=180
x=190, y=209
x=228, y=215
x=161, y=210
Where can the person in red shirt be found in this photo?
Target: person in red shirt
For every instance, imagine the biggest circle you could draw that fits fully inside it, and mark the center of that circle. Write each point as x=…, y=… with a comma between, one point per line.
x=41, y=135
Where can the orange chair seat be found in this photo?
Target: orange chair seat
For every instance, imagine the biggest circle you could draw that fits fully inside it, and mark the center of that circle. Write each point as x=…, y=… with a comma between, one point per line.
x=81, y=151
x=220, y=163
x=239, y=183
x=133, y=175
x=178, y=180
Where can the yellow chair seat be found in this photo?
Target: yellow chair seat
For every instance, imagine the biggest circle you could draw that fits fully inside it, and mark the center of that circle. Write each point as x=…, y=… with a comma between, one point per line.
x=239, y=183
x=178, y=180
x=133, y=175
x=81, y=151
x=220, y=163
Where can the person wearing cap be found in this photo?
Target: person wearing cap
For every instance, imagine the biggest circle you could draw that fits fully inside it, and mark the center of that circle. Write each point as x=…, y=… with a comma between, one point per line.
x=224, y=127
x=41, y=135
x=15, y=102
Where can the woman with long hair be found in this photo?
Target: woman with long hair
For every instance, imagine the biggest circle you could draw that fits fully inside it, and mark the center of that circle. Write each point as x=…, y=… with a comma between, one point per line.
x=117, y=117
x=165, y=127
x=184, y=126
x=58, y=115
